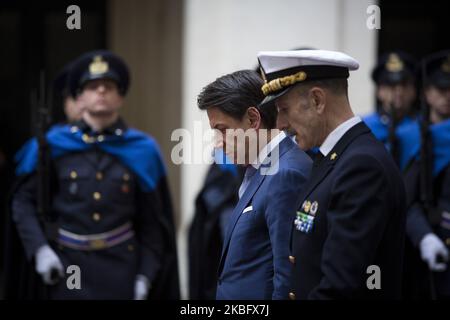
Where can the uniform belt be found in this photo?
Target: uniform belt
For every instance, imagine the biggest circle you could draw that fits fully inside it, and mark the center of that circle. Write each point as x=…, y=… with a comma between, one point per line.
x=95, y=241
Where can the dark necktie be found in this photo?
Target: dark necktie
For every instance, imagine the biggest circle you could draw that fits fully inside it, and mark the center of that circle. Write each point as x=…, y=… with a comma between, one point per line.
x=318, y=157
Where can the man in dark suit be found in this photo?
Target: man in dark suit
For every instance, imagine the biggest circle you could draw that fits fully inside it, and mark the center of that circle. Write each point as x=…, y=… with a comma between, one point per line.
x=347, y=239
x=254, y=263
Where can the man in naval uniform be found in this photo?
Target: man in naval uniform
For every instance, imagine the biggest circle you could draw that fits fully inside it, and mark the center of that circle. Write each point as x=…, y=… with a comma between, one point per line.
x=350, y=221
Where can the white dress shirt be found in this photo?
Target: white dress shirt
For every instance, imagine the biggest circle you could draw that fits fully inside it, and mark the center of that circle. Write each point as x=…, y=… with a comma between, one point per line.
x=336, y=135
x=262, y=156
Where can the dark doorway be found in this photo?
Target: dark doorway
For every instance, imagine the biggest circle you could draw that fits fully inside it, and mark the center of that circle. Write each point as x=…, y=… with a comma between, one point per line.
x=34, y=37
x=417, y=27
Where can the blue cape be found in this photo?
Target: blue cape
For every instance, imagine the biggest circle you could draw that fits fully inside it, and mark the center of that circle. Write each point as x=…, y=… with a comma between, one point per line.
x=134, y=149
x=381, y=130
x=410, y=141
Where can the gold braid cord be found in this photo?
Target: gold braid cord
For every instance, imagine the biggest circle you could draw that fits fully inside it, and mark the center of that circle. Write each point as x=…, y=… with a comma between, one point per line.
x=280, y=83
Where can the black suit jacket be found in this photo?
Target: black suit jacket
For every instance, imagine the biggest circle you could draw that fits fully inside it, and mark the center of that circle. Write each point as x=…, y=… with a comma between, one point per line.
x=353, y=217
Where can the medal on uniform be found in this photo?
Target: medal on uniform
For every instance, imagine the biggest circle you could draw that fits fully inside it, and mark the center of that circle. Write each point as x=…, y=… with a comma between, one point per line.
x=306, y=206
x=304, y=220
x=314, y=207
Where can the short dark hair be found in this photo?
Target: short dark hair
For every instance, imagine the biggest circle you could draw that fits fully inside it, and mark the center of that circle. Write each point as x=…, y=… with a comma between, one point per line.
x=234, y=93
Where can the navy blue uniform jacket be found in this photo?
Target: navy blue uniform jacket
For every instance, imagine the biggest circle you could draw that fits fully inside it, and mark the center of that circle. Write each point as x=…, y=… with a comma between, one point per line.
x=351, y=216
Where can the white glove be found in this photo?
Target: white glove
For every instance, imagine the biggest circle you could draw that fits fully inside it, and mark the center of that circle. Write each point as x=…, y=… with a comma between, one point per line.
x=141, y=287
x=430, y=247
x=48, y=264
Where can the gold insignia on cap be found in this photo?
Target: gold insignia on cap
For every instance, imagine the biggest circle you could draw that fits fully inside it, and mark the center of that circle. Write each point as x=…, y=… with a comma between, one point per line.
x=394, y=63
x=280, y=83
x=446, y=64
x=98, y=65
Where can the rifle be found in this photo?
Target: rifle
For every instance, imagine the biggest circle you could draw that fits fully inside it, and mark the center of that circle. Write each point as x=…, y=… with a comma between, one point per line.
x=426, y=168
x=42, y=107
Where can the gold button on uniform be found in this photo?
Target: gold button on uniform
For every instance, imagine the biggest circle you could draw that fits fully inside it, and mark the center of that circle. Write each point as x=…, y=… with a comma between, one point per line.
x=100, y=138
x=96, y=216
x=86, y=138
x=291, y=295
x=447, y=241
x=73, y=174
x=99, y=176
x=292, y=259
x=126, y=177
x=130, y=247
x=97, y=196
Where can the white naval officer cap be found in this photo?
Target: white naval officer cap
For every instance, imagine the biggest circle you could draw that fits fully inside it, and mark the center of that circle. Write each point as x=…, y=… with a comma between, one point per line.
x=281, y=70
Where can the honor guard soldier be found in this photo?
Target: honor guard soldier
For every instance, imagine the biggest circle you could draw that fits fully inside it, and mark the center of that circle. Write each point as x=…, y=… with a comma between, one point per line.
x=110, y=213
x=427, y=181
x=395, y=79
x=72, y=111
x=351, y=215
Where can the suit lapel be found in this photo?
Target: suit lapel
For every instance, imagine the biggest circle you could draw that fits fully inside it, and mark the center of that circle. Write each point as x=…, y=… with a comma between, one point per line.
x=256, y=181
x=284, y=146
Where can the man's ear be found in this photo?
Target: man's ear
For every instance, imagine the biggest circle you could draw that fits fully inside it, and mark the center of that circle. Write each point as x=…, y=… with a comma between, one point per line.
x=318, y=99
x=254, y=118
